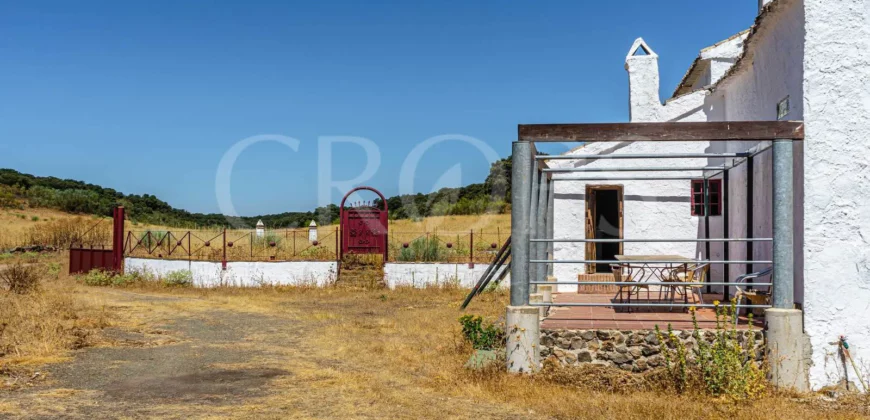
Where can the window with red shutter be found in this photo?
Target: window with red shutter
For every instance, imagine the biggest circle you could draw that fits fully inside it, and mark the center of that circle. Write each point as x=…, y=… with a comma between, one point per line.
x=714, y=195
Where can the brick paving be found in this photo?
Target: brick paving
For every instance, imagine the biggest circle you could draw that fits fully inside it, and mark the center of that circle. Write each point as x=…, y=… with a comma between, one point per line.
x=602, y=317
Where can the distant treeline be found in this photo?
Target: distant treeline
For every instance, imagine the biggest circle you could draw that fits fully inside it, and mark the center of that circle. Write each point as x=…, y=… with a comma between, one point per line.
x=73, y=196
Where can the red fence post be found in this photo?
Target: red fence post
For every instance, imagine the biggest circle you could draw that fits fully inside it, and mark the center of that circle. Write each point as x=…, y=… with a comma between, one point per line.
x=224, y=259
x=471, y=250
x=118, y=239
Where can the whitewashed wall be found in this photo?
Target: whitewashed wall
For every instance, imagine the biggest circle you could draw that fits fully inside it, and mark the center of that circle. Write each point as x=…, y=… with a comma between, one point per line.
x=814, y=52
x=309, y=273
x=434, y=274
x=651, y=209
x=242, y=274
x=836, y=103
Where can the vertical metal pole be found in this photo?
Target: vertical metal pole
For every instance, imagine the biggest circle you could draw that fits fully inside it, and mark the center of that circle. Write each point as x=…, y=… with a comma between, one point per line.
x=224, y=257
x=726, y=246
x=707, y=221
x=533, y=223
x=541, y=228
x=337, y=257
x=521, y=194
x=551, y=191
x=750, y=208
x=471, y=249
x=118, y=239
x=783, y=224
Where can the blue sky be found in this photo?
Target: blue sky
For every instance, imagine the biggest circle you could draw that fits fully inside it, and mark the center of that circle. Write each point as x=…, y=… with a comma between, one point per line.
x=146, y=97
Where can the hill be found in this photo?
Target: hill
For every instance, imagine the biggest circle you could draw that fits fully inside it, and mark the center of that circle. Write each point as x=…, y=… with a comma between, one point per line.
x=79, y=197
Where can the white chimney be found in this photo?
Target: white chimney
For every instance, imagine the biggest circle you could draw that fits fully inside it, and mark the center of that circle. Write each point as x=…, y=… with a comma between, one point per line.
x=642, y=64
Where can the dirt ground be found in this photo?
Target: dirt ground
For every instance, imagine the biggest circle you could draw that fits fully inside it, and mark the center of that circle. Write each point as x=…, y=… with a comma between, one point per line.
x=195, y=357
x=318, y=353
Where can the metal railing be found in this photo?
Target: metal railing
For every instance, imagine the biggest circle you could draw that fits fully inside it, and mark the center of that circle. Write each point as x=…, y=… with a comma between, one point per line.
x=533, y=193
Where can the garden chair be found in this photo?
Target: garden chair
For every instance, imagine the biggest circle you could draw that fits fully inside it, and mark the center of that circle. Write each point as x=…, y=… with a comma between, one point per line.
x=633, y=287
x=754, y=297
x=691, y=273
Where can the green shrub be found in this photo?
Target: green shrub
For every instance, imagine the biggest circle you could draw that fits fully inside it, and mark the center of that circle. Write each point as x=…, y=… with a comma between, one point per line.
x=34, y=219
x=481, y=336
x=179, y=278
x=9, y=197
x=427, y=249
x=97, y=277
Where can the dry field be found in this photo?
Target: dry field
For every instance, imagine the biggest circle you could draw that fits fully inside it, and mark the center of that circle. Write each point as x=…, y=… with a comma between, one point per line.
x=449, y=236
x=147, y=351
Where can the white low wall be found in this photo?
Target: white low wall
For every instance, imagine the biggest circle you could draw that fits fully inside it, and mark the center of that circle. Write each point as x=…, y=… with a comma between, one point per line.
x=433, y=274
x=243, y=274
x=312, y=273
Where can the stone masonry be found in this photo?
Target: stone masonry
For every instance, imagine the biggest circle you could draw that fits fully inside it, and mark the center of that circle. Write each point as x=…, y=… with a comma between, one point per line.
x=635, y=350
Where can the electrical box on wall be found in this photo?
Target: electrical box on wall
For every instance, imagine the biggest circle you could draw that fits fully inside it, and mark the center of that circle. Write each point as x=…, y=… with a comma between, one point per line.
x=782, y=108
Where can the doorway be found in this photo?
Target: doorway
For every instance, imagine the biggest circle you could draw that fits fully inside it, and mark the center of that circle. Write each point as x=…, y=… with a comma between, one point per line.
x=604, y=220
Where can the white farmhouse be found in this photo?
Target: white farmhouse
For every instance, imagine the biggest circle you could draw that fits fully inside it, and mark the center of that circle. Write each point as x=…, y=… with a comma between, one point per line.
x=801, y=60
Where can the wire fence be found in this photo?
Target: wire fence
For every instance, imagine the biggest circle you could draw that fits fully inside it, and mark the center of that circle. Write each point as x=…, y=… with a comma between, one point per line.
x=477, y=246
x=472, y=246
x=233, y=245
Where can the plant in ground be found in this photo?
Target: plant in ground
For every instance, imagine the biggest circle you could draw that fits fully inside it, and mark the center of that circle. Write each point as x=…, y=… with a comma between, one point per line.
x=722, y=365
x=97, y=277
x=179, y=278
x=481, y=336
x=20, y=278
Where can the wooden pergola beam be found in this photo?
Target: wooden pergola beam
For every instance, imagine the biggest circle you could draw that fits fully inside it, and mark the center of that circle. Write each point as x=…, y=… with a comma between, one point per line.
x=663, y=131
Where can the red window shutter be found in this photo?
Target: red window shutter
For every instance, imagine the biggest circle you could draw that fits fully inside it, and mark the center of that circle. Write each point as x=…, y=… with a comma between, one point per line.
x=715, y=186
x=697, y=197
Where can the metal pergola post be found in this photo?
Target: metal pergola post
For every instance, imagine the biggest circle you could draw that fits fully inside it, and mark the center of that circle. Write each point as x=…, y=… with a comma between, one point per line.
x=541, y=227
x=551, y=187
x=783, y=224
x=521, y=199
x=533, y=214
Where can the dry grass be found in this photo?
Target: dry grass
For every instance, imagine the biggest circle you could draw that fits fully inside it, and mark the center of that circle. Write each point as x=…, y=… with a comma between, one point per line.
x=400, y=354
x=486, y=222
x=41, y=326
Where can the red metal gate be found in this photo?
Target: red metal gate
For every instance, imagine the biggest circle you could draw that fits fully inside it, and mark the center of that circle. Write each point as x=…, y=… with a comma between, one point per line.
x=82, y=260
x=364, y=226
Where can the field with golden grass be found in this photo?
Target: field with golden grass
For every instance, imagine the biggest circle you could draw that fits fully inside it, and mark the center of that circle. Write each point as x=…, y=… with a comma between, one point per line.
x=157, y=351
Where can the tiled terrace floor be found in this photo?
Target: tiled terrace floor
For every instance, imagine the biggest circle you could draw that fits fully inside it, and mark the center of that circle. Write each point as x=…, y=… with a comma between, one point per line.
x=601, y=317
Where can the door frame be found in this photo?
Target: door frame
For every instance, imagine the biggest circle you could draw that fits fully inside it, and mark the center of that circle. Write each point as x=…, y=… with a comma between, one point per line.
x=592, y=213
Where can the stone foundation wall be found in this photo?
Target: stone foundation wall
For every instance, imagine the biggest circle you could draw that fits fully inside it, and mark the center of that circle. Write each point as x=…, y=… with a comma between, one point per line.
x=636, y=350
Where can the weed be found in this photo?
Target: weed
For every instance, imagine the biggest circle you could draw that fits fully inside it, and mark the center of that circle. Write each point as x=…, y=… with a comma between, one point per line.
x=6, y=255
x=97, y=277
x=21, y=278
x=53, y=269
x=721, y=365
x=423, y=249
x=179, y=278
x=480, y=336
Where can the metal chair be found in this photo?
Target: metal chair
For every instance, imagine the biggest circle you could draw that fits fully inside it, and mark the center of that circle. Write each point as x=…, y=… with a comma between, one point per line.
x=619, y=277
x=754, y=297
x=692, y=273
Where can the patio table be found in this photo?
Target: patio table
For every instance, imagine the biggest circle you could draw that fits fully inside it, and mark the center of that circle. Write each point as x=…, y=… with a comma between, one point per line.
x=643, y=268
